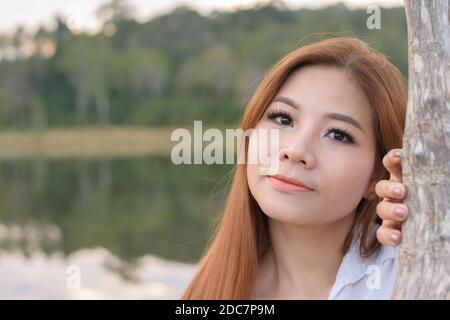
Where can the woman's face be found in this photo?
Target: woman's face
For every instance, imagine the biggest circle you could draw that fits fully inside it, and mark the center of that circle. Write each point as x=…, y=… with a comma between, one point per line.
x=334, y=158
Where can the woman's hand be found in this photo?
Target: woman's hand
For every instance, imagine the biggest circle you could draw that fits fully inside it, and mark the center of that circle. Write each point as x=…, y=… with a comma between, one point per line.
x=390, y=231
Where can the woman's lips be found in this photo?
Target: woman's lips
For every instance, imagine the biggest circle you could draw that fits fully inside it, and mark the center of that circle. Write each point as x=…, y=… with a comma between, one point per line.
x=284, y=185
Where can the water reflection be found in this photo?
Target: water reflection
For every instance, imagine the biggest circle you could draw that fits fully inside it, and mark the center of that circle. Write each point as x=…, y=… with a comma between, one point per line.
x=147, y=214
x=102, y=276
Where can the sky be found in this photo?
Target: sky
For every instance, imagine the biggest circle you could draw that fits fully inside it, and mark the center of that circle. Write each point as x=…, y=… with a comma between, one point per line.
x=80, y=14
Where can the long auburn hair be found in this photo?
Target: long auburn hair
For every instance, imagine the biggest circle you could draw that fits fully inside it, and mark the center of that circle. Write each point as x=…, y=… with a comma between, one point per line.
x=229, y=265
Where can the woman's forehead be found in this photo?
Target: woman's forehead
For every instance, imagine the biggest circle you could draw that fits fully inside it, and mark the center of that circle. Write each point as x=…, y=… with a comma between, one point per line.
x=325, y=89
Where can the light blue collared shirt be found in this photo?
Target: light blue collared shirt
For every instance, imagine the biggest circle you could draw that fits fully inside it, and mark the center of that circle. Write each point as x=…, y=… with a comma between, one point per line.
x=366, y=278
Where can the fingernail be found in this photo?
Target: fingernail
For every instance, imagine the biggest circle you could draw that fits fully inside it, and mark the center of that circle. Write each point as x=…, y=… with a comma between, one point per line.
x=394, y=237
x=400, y=212
x=397, y=191
x=397, y=153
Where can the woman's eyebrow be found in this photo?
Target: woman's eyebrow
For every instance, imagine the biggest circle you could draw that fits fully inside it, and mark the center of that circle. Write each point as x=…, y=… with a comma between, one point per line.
x=344, y=118
x=288, y=101
x=332, y=115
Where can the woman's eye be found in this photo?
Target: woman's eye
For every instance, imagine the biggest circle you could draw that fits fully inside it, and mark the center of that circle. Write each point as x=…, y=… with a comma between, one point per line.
x=281, y=118
x=341, y=135
x=286, y=121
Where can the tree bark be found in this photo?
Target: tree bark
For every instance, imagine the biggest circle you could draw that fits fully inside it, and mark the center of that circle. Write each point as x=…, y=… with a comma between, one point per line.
x=424, y=260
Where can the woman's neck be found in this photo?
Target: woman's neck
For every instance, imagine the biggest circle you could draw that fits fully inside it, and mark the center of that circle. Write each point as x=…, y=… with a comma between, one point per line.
x=302, y=261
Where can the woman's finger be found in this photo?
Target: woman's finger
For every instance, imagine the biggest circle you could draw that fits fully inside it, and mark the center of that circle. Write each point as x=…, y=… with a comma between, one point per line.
x=392, y=211
x=388, y=236
x=392, y=224
x=393, y=163
x=392, y=190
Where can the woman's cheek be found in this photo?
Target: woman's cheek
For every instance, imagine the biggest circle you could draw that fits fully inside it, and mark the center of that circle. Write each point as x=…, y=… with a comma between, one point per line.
x=348, y=183
x=264, y=146
x=252, y=167
x=252, y=148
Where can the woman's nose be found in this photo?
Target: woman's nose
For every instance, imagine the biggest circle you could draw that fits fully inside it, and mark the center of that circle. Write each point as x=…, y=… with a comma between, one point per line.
x=298, y=153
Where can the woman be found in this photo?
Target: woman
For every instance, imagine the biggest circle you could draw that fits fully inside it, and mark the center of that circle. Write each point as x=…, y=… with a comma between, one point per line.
x=310, y=230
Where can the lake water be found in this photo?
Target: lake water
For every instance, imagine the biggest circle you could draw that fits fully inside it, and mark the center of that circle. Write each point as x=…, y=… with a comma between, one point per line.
x=123, y=228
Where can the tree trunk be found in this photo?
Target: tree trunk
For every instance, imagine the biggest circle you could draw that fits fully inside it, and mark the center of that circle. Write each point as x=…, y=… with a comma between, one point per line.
x=424, y=261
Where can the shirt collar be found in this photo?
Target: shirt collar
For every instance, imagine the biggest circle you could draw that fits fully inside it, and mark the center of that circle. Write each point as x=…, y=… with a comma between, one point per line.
x=354, y=267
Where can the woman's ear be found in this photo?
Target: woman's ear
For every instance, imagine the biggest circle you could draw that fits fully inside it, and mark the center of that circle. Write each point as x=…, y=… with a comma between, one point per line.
x=376, y=176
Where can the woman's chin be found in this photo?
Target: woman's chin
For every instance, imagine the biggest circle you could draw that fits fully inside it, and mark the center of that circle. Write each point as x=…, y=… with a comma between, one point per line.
x=288, y=215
